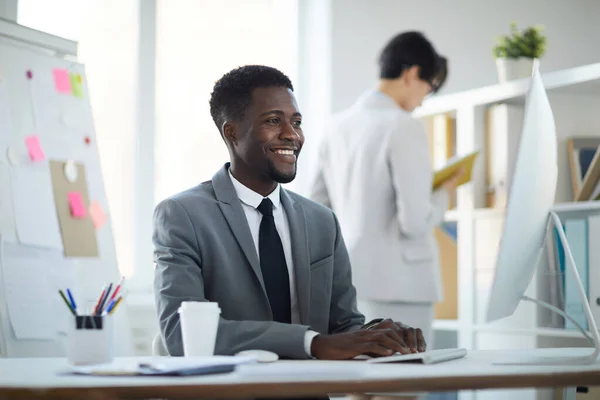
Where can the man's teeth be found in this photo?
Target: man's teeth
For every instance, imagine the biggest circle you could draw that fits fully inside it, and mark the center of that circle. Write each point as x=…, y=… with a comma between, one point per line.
x=285, y=152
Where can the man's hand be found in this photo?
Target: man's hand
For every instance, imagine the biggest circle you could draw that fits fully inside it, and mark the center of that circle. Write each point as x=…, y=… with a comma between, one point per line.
x=373, y=342
x=412, y=337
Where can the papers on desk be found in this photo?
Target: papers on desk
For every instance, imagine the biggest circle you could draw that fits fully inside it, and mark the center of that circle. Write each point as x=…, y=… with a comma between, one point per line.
x=165, y=366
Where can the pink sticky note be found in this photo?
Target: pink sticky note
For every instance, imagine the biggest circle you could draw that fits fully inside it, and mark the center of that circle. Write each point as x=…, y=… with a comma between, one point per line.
x=76, y=205
x=62, y=80
x=35, y=148
x=97, y=214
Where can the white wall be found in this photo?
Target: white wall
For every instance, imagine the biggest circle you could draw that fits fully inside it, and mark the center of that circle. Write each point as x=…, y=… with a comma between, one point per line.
x=463, y=30
x=8, y=9
x=313, y=89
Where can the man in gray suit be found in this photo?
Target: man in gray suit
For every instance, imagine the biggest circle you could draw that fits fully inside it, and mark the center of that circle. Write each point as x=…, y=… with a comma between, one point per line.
x=274, y=261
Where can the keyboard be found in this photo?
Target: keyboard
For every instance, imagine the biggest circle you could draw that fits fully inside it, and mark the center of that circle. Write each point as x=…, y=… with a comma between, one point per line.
x=426, y=357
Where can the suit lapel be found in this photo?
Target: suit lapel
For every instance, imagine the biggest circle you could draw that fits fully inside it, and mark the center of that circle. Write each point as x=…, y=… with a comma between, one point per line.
x=298, y=236
x=236, y=219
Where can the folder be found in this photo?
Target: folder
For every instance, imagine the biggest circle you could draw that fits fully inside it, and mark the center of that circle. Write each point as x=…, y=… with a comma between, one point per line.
x=454, y=164
x=576, y=230
x=165, y=366
x=594, y=265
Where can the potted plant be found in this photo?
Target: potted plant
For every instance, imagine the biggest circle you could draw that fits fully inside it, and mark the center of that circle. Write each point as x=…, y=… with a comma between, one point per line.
x=516, y=53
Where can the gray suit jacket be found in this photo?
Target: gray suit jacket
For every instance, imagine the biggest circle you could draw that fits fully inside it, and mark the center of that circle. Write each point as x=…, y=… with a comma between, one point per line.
x=388, y=221
x=204, y=251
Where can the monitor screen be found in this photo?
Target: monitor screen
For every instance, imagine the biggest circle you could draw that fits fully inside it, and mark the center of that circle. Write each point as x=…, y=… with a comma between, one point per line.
x=530, y=200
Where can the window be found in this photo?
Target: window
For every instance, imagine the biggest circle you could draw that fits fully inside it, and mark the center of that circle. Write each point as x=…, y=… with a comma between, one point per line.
x=197, y=42
x=107, y=33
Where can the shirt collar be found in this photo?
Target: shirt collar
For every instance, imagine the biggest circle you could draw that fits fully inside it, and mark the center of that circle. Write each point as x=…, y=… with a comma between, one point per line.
x=250, y=197
x=377, y=99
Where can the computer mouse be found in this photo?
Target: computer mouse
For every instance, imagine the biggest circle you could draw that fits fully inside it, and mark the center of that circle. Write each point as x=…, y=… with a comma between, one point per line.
x=262, y=356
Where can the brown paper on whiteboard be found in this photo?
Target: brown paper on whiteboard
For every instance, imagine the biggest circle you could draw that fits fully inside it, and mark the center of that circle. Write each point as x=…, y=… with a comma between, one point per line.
x=78, y=235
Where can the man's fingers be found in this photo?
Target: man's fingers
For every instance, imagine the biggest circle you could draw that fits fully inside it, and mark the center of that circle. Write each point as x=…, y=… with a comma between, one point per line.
x=411, y=339
x=392, y=340
x=398, y=338
x=409, y=335
x=388, y=338
x=421, y=340
x=375, y=349
x=385, y=324
x=402, y=330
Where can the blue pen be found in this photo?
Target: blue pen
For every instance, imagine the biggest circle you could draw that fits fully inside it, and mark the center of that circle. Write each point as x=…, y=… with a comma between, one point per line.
x=110, y=306
x=72, y=300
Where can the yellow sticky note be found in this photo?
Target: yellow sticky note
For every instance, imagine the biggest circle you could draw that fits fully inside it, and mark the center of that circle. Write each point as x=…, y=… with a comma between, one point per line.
x=77, y=85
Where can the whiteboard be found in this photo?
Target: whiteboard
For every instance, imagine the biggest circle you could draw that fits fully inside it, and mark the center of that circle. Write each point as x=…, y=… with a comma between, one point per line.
x=30, y=105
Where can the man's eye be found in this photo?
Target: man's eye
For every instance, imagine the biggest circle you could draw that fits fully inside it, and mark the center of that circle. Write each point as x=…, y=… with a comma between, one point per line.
x=298, y=123
x=273, y=121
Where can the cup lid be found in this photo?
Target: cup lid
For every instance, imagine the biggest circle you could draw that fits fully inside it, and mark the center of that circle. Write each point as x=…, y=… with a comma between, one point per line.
x=199, y=306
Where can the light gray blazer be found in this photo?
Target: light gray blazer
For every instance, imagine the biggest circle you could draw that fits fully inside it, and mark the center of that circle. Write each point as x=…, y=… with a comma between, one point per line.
x=375, y=172
x=204, y=251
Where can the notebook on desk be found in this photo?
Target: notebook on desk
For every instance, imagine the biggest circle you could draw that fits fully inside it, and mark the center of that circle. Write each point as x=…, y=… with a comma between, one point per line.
x=164, y=366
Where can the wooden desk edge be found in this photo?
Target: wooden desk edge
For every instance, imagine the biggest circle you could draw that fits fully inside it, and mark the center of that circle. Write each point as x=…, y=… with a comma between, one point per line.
x=280, y=389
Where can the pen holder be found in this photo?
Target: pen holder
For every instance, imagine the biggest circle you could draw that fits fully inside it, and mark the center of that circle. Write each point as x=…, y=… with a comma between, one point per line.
x=90, y=340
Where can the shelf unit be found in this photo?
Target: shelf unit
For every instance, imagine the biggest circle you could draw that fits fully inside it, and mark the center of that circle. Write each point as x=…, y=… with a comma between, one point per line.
x=574, y=96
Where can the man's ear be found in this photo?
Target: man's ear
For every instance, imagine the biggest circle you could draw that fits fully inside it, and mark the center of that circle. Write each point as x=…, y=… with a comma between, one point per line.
x=230, y=132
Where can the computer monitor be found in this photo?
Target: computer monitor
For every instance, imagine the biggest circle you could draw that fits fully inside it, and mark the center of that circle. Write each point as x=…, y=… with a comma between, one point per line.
x=527, y=218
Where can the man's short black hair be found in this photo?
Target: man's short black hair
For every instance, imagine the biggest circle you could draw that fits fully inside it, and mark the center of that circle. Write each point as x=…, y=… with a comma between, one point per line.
x=232, y=94
x=408, y=49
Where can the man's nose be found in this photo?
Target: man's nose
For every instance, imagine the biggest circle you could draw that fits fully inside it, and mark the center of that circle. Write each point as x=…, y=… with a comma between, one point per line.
x=289, y=132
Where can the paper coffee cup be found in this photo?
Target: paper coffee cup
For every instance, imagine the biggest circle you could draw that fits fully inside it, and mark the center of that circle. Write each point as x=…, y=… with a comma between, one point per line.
x=199, y=321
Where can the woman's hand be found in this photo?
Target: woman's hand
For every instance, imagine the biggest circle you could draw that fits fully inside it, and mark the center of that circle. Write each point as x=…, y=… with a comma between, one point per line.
x=451, y=183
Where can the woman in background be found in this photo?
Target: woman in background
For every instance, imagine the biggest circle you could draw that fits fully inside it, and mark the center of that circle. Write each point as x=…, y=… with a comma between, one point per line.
x=375, y=173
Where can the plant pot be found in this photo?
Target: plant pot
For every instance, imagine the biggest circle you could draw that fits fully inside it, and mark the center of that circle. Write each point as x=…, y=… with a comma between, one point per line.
x=514, y=68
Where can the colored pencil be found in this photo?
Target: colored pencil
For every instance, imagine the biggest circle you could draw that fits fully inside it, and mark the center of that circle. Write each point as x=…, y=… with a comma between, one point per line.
x=114, y=307
x=67, y=302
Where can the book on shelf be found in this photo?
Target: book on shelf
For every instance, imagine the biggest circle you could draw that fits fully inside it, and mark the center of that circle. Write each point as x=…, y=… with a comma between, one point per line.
x=446, y=237
x=441, y=135
x=581, y=151
x=577, y=236
x=594, y=265
x=582, y=234
x=589, y=189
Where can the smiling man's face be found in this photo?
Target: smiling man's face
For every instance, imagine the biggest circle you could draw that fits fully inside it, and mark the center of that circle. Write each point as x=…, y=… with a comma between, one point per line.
x=271, y=135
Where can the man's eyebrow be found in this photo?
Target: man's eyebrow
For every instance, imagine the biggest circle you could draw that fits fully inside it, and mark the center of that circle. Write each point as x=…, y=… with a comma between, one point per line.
x=279, y=112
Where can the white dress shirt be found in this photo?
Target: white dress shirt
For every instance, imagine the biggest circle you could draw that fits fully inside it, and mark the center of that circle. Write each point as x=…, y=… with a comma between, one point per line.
x=250, y=201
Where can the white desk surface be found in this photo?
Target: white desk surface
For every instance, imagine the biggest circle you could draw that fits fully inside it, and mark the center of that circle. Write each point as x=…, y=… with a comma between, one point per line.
x=41, y=378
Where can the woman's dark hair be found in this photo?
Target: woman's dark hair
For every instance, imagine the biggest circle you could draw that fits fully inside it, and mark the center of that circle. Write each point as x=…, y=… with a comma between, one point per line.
x=408, y=49
x=442, y=73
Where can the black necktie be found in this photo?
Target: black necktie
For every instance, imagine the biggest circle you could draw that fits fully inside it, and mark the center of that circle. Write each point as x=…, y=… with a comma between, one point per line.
x=273, y=265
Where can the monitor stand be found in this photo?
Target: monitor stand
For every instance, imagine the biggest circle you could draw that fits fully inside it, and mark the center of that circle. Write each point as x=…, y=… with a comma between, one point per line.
x=560, y=357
